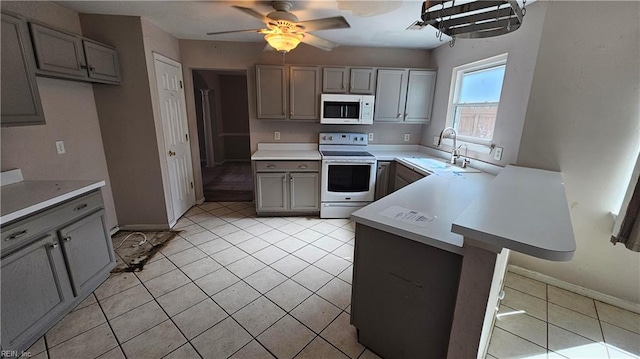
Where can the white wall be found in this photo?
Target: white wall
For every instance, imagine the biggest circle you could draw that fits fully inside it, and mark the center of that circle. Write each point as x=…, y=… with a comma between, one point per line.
x=522, y=47
x=583, y=118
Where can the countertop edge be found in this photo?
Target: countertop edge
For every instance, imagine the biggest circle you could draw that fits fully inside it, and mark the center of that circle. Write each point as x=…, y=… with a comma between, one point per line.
x=436, y=243
x=50, y=202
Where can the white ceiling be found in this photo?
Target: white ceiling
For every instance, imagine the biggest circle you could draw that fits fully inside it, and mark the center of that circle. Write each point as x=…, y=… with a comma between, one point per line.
x=193, y=19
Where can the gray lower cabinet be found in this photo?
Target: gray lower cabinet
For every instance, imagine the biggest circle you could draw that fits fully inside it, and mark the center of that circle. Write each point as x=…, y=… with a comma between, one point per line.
x=68, y=56
x=35, y=289
x=403, y=295
x=20, y=97
x=405, y=176
x=287, y=187
x=51, y=261
x=304, y=191
x=382, y=179
x=87, y=248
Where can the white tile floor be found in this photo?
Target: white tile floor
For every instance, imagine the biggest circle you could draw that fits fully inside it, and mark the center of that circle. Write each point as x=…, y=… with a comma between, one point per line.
x=537, y=320
x=233, y=285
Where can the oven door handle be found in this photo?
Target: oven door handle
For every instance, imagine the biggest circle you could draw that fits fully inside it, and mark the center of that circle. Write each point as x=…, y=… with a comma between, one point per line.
x=352, y=162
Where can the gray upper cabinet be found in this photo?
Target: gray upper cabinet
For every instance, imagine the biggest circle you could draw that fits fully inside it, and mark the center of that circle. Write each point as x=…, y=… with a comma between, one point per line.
x=390, y=95
x=63, y=55
x=271, y=91
x=404, y=95
x=304, y=92
x=349, y=80
x=20, y=97
x=58, y=52
x=363, y=81
x=420, y=93
x=335, y=79
x=102, y=61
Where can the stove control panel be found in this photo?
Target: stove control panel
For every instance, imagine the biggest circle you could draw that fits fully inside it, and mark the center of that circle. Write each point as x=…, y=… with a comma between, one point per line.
x=331, y=138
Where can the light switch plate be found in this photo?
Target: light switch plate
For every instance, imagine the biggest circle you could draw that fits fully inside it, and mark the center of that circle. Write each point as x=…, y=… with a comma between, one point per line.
x=371, y=136
x=276, y=135
x=60, y=147
x=497, y=155
x=407, y=137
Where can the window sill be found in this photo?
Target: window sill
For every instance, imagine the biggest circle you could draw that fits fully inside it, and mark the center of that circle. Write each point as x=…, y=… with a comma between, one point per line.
x=475, y=147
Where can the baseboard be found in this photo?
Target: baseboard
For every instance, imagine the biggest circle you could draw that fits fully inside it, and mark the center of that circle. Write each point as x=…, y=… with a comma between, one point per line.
x=145, y=227
x=114, y=230
x=200, y=201
x=605, y=298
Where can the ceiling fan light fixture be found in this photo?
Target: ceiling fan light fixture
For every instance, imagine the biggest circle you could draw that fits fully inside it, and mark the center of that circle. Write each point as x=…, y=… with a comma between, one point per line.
x=283, y=42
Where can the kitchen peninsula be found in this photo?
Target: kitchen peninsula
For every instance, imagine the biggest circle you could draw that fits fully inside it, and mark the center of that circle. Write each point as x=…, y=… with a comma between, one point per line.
x=430, y=258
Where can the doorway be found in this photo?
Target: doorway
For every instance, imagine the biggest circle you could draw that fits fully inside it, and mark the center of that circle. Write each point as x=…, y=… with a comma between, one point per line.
x=222, y=111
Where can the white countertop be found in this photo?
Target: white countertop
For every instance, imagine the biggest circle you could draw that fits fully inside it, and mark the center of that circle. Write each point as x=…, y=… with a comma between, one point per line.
x=525, y=210
x=442, y=196
x=521, y=209
x=286, y=152
x=24, y=198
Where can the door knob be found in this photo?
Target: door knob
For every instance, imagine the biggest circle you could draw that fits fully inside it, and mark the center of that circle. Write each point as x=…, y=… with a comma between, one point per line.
x=55, y=245
x=171, y=153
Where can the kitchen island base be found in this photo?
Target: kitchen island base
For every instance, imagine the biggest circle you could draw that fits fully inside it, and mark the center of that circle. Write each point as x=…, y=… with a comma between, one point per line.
x=403, y=295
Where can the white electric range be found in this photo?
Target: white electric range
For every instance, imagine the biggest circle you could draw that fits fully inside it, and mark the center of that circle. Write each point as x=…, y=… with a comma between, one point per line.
x=348, y=174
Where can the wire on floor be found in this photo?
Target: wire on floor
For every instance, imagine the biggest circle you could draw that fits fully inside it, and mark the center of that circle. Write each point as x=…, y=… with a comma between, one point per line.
x=144, y=239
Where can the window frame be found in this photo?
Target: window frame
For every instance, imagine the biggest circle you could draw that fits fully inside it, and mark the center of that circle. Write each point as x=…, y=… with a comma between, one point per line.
x=454, y=94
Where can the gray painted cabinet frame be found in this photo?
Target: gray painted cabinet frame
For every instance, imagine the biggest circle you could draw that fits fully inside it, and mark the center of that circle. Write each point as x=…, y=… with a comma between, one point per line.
x=20, y=97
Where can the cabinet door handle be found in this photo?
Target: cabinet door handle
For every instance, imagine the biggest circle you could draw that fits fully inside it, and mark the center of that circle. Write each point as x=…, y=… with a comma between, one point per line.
x=291, y=179
x=406, y=115
x=399, y=115
x=84, y=67
x=92, y=69
x=67, y=239
x=271, y=166
x=284, y=179
x=55, y=245
x=82, y=206
x=302, y=166
x=16, y=235
x=171, y=153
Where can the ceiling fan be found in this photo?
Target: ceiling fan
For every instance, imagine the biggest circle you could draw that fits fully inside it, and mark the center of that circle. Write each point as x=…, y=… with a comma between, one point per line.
x=284, y=32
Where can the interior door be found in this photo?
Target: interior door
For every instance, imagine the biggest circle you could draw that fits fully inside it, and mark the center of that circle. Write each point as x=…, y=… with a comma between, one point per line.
x=176, y=136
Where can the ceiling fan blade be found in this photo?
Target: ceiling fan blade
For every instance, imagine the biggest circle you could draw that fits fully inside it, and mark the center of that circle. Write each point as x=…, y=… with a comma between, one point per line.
x=328, y=23
x=315, y=41
x=233, y=31
x=253, y=13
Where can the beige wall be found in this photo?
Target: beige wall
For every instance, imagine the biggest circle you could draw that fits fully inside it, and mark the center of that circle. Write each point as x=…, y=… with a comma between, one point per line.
x=583, y=119
x=243, y=56
x=127, y=124
x=522, y=47
x=71, y=116
x=160, y=42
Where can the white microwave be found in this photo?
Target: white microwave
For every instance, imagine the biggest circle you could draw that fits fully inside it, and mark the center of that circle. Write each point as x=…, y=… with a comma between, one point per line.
x=346, y=109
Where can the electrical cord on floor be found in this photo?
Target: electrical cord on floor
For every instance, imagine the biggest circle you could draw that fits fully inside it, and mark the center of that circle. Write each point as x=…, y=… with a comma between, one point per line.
x=144, y=240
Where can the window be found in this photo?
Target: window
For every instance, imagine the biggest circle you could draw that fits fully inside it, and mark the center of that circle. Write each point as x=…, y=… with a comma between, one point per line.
x=474, y=99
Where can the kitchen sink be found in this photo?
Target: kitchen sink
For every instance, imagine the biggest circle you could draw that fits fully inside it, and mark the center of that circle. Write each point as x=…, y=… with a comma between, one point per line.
x=437, y=165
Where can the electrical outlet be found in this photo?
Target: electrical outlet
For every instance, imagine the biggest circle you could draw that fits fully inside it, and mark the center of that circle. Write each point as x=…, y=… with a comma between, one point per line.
x=435, y=140
x=276, y=135
x=497, y=155
x=407, y=137
x=60, y=147
x=371, y=136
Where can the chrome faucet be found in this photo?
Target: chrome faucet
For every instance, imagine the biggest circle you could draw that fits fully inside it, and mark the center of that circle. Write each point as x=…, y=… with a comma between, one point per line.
x=465, y=160
x=454, y=151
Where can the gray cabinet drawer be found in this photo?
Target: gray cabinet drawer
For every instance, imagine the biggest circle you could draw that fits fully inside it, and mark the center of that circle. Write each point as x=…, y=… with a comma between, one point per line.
x=18, y=233
x=279, y=166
